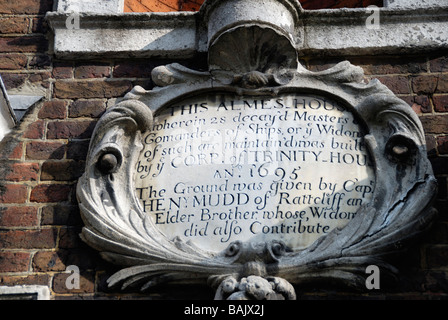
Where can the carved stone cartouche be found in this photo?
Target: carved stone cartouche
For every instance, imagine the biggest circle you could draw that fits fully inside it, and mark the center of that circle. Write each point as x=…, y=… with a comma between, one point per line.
x=252, y=54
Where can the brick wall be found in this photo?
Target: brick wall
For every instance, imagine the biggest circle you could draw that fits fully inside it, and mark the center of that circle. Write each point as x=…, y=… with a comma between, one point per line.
x=44, y=156
x=194, y=5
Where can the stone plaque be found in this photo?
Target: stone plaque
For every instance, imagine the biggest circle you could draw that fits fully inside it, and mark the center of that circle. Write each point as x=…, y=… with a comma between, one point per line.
x=220, y=168
x=257, y=174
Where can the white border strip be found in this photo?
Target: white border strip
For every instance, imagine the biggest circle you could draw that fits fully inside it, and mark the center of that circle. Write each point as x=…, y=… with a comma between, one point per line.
x=92, y=31
x=43, y=292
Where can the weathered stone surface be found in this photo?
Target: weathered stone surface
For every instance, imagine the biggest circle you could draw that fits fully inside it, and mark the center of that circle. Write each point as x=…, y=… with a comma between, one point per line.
x=412, y=3
x=337, y=31
x=212, y=143
x=218, y=168
x=98, y=6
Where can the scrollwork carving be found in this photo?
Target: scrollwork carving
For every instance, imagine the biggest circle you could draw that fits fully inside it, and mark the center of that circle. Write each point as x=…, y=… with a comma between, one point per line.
x=400, y=208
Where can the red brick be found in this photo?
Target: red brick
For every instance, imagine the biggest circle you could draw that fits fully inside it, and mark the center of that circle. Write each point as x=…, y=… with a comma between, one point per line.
x=374, y=65
x=321, y=64
x=442, y=84
x=439, y=64
x=40, y=62
x=28, y=239
x=16, y=152
x=435, y=124
x=91, y=89
x=62, y=70
x=12, y=61
x=67, y=215
x=80, y=257
x=70, y=129
x=390, y=65
x=188, y=5
x=19, y=171
x=87, y=108
x=39, y=25
x=14, y=25
x=25, y=6
x=69, y=238
x=18, y=216
x=420, y=104
x=40, y=78
x=14, y=80
x=34, y=43
x=50, y=193
x=442, y=144
x=133, y=70
x=54, y=109
x=41, y=150
x=424, y=84
x=32, y=279
x=430, y=84
x=152, y=6
x=194, y=5
x=398, y=84
x=92, y=71
x=34, y=130
x=14, y=262
x=61, y=170
x=44, y=261
x=77, y=150
x=440, y=103
x=13, y=193
x=12, y=152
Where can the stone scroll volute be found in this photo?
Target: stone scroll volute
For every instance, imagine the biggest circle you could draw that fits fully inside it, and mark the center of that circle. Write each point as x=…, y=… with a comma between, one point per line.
x=257, y=175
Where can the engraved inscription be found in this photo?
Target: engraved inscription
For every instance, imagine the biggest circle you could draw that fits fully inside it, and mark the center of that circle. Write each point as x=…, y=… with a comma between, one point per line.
x=220, y=168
